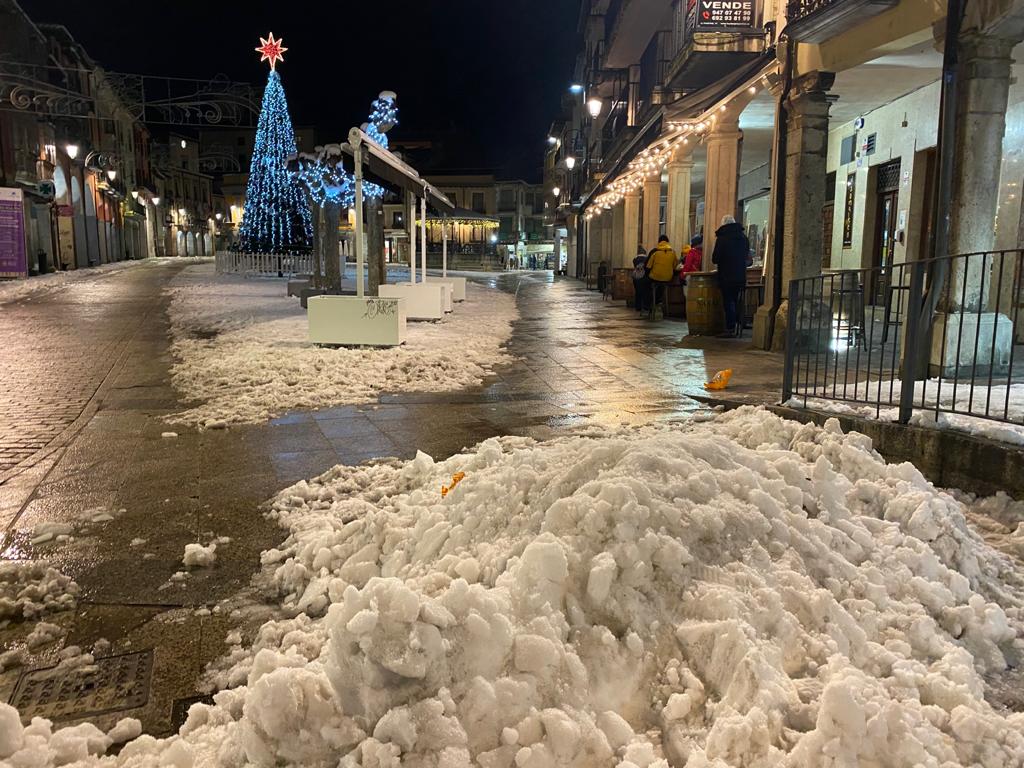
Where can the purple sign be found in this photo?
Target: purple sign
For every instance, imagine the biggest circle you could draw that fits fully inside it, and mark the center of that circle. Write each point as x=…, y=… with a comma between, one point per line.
x=13, y=261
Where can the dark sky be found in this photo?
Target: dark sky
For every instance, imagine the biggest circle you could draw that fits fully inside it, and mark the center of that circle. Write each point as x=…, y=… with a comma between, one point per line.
x=486, y=75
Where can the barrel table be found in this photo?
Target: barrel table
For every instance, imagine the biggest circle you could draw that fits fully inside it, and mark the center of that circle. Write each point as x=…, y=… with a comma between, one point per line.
x=705, y=314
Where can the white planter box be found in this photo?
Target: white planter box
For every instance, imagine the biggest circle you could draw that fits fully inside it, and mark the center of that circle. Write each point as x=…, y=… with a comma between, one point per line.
x=458, y=285
x=352, y=321
x=423, y=301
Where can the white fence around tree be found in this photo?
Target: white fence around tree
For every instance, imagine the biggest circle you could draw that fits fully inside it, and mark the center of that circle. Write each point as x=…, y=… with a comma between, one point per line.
x=270, y=264
x=275, y=264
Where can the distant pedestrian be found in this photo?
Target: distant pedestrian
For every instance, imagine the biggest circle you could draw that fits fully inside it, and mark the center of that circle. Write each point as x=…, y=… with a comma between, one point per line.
x=661, y=266
x=695, y=256
x=641, y=284
x=731, y=256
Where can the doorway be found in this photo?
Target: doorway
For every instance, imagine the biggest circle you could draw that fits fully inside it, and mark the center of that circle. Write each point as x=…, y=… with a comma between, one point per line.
x=887, y=199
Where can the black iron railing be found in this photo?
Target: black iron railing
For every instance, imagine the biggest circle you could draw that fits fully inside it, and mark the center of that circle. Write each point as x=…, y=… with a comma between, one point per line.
x=799, y=9
x=866, y=339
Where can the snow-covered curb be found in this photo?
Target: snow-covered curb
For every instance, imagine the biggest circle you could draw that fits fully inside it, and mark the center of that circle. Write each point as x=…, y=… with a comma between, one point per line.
x=240, y=348
x=972, y=402
x=744, y=591
x=14, y=290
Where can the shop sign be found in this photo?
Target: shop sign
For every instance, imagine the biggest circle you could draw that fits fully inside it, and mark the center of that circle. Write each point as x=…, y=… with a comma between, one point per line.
x=727, y=14
x=851, y=180
x=13, y=258
x=65, y=210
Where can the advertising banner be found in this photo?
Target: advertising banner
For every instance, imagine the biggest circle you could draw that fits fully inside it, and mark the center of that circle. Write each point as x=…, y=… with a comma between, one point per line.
x=725, y=14
x=13, y=258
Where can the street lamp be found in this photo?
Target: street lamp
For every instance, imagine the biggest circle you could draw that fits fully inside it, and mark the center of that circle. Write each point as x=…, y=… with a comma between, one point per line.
x=570, y=162
x=111, y=174
x=156, y=200
x=219, y=215
x=576, y=88
x=556, y=191
x=594, y=106
x=72, y=150
x=552, y=140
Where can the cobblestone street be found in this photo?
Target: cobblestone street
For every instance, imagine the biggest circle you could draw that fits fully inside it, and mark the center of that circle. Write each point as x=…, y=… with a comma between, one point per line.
x=86, y=390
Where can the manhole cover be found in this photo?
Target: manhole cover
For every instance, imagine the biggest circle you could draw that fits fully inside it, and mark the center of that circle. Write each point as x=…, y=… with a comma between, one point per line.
x=113, y=683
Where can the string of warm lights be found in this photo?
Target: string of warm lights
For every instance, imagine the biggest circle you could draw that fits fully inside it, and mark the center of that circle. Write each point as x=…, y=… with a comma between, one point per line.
x=651, y=161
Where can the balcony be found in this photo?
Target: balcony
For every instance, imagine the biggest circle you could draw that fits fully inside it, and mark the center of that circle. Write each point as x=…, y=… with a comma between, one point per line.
x=816, y=21
x=712, y=38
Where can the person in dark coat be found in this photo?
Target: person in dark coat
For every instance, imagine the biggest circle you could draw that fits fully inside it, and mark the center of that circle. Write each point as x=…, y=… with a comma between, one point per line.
x=641, y=285
x=731, y=256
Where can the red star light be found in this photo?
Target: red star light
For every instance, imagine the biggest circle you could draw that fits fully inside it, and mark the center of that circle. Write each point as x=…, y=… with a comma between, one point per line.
x=271, y=49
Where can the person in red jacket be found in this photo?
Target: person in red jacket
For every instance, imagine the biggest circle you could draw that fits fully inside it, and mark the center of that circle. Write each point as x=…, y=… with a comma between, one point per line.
x=695, y=256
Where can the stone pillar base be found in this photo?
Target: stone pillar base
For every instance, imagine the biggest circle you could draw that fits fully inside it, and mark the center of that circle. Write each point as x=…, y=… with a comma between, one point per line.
x=974, y=344
x=764, y=320
x=814, y=324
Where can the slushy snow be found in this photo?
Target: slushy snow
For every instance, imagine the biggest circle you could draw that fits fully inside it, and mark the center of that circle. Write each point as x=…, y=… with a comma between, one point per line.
x=241, y=348
x=199, y=556
x=740, y=591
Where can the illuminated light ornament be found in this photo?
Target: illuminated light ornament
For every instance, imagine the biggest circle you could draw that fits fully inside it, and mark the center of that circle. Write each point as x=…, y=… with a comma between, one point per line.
x=271, y=49
x=276, y=218
x=323, y=173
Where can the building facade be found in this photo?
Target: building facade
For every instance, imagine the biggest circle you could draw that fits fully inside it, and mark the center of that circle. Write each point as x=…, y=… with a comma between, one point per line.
x=814, y=124
x=70, y=151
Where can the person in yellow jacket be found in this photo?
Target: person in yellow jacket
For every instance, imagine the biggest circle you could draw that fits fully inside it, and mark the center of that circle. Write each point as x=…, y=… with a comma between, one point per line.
x=661, y=267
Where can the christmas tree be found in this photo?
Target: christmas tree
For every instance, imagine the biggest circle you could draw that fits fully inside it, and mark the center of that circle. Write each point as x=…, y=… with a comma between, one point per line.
x=276, y=217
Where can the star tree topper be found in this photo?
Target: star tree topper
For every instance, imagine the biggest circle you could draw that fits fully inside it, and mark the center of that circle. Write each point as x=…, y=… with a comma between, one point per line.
x=271, y=49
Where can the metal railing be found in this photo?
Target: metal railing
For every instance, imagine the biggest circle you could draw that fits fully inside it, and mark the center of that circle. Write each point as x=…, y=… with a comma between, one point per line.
x=798, y=9
x=866, y=339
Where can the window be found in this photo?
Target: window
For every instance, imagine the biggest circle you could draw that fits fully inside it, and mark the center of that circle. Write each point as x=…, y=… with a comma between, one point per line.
x=507, y=201
x=397, y=220
x=478, y=202
x=848, y=150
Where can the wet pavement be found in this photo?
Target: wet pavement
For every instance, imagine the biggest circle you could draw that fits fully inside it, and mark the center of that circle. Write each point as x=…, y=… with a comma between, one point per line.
x=86, y=384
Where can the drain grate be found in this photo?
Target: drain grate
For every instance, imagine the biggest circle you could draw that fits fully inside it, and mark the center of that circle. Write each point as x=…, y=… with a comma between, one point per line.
x=112, y=684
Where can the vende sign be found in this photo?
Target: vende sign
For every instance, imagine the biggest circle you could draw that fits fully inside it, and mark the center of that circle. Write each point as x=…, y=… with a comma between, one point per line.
x=713, y=14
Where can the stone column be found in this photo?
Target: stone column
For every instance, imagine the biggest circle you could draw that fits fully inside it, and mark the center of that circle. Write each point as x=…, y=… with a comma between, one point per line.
x=652, y=214
x=965, y=336
x=722, y=181
x=630, y=230
x=677, y=209
x=617, y=216
x=806, y=170
x=982, y=94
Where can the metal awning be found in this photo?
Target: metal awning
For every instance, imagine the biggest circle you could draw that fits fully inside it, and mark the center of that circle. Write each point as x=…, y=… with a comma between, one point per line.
x=695, y=103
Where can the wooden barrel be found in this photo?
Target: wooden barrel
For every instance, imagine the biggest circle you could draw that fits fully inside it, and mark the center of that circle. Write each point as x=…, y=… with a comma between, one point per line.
x=705, y=314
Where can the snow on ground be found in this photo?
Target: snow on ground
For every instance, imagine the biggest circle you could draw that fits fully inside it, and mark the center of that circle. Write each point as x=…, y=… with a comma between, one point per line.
x=30, y=589
x=739, y=591
x=999, y=400
x=13, y=290
x=241, y=349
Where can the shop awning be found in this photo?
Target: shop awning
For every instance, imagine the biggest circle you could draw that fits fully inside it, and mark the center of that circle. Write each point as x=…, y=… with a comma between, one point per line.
x=694, y=104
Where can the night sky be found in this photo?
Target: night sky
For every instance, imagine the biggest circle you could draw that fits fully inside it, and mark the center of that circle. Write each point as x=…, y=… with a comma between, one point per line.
x=482, y=77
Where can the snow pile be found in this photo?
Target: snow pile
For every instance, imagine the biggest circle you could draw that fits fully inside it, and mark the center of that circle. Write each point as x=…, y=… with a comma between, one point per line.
x=745, y=591
x=241, y=348
x=30, y=589
x=37, y=744
x=198, y=556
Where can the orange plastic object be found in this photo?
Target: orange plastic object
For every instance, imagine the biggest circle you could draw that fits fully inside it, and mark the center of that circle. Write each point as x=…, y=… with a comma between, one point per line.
x=456, y=479
x=719, y=381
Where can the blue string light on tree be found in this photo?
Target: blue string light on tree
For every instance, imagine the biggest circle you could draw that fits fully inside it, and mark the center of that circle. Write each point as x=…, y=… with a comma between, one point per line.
x=276, y=217
x=323, y=173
